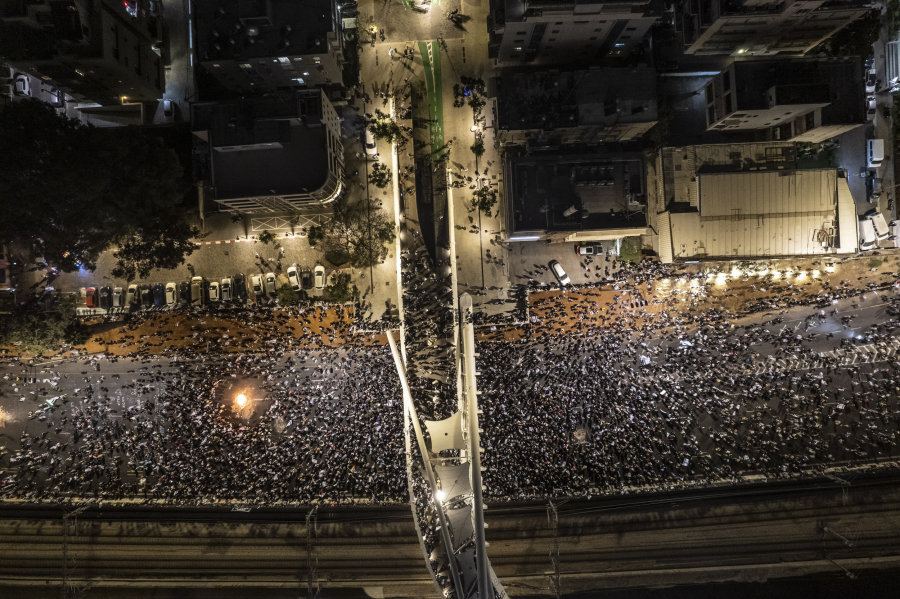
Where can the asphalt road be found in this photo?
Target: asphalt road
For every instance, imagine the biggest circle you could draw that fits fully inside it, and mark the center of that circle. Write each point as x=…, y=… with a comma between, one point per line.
x=738, y=533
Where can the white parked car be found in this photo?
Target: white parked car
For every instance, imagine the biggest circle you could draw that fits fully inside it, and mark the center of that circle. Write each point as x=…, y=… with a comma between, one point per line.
x=227, y=289
x=319, y=276
x=23, y=87
x=171, y=294
x=270, y=283
x=294, y=277
x=214, y=292
x=871, y=108
x=256, y=283
x=131, y=298
x=559, y=273
x=118, y=298
x=871, y=80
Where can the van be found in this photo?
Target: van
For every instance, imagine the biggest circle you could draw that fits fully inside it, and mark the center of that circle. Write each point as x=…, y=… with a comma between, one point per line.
x=874, y=152
x=880, y=226
x=867, y=239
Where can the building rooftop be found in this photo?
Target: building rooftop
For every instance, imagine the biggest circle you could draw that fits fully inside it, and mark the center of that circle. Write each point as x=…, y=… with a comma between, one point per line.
x=804, y=80
x=606, y=190
x=248, y=29
x=269, y=146
x=769, y=213
x=553, y=99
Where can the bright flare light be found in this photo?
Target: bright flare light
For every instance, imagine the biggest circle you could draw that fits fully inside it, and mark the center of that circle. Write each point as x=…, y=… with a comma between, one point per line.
x=241, y=400
x=829, y=269
x=735, y=272
x=440, y=495
x=775, y=274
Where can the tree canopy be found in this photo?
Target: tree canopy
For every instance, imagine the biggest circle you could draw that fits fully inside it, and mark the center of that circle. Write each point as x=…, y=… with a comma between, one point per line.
x=484, y=199
x=339, y=288
x=471, y=91
x=380, y=176
x=384, y=128
x=74, y=191
x=40, y=331
x=358, y=233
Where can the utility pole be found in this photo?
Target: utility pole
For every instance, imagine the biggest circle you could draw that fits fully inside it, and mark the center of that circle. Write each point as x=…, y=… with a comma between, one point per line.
x=64, y=590
x=311, y=563
x=553, y=520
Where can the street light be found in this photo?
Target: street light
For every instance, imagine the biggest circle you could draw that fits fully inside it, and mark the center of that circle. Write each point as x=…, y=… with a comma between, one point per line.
x=474, y=128
x=241, y=400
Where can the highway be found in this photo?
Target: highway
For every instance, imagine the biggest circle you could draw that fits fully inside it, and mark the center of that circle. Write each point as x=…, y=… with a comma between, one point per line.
x=752, y=532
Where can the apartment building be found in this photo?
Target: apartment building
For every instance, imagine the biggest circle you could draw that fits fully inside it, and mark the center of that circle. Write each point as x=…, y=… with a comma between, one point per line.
x=547, y=32
x=762, y=27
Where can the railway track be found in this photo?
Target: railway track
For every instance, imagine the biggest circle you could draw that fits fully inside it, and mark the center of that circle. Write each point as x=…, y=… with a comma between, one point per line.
x=716, y=533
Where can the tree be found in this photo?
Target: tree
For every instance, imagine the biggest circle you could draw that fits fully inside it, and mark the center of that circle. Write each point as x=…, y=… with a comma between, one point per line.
x=478, y=148
x=471, y=91
x=267, y=237
x=384, y=128
x=339, y=289
x=164, y=244
x=484, y=199
x=380, y=176
x=82, y=190
x=287, y=296
x=357, y=233
x=855, y=39
x=38, y=331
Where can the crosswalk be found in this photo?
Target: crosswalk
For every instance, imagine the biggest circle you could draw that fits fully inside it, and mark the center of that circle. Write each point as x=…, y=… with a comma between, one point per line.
x=861, y=354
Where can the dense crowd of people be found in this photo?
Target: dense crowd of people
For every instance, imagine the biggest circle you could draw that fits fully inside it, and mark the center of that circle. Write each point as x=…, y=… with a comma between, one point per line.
x=608, y=390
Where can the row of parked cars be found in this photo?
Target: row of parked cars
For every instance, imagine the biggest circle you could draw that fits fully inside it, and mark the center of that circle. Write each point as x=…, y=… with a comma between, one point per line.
x=200, y=291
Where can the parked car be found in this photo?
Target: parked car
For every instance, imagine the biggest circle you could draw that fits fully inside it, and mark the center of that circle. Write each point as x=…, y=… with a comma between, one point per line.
x=22, y=86
x=197, y=291
x=871, y=108
x=270, y=283
x=105, y=298
x=171, y=294
x=240, y=287
x=306, y=278
x=871, y=79
x=159, y=295
x=90, y=297
x=256, y=283
x=319, y=276
x=184, y=292
x=371, y=150
x=874, y=189
x=558, y=272
x=146, y=296
x=214, y=292
x=168, y=111
x=132, y=297
x=294, y=277
x=589, y=250
x=118, y=297
x=225, y=288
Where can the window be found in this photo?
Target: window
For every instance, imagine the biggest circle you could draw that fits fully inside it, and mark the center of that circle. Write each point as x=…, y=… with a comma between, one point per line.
x=558, y=23
x=630, y=28
x=619, y=45
x=555, y=31
x=601, y=22
x=592, y=38
x=581, y=22
x=283, y=59
x=215, y=65
x=597, y=30
x=624, y=37
x=552, y=39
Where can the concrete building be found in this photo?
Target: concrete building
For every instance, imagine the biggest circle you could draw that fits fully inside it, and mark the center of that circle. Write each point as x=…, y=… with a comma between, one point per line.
x=270, y=45
x=548, y=32
x=799, y=100
x=94, y=50
x=553, y=108
x=752, y=200
x=572, y=197
x=762, y=27
x=273, y=154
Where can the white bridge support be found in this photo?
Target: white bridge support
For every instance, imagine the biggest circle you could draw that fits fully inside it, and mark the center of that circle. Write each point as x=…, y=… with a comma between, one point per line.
x=451, y=450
